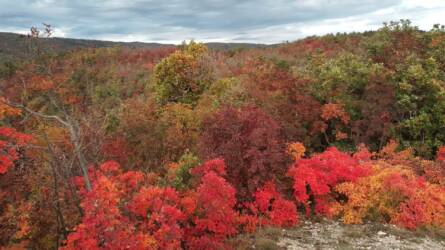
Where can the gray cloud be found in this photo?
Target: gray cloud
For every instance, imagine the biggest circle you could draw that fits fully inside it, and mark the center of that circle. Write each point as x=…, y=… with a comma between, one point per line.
x=265, y=21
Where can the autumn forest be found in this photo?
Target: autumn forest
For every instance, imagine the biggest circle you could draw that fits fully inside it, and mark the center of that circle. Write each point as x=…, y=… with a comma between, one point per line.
x=189, y=147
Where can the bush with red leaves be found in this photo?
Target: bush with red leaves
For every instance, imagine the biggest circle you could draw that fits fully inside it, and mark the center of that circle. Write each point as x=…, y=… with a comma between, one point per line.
x=271, y=206
x=215, y=216
x=315, y=178
x=251, y=144
x=10, y=141
x=151, y=220
x=440, y=155
x=123, y=212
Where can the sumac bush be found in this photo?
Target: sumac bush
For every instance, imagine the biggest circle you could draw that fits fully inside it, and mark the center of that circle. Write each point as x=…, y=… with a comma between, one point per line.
x=392, y=194
x=124, y=211
x=315, y=178
x=272, y=209
x=215, y=217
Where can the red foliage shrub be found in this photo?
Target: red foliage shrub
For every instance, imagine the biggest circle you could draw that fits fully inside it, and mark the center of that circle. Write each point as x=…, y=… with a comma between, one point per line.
x=441, y=154
x=423, y=204
x=270, y=204
x=217, y=166
x=160, y=215
x=103, y=225
x=215, y=219
x=10, y=141
x=123, y=212
x=315, y=178
x=425, y=208
x=251, y=144
x=149, y=221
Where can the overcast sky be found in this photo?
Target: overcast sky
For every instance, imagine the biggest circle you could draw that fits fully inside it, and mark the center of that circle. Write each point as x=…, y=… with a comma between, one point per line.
x=172, y=21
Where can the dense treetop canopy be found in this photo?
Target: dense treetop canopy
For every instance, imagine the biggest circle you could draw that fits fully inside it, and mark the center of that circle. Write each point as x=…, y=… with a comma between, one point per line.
x=187, y=147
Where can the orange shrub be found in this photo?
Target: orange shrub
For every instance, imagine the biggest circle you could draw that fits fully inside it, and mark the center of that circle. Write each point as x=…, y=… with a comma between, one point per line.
x=393, y=194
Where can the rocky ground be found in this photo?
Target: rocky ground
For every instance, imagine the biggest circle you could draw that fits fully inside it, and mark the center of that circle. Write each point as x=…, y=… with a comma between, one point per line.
x=335, y=235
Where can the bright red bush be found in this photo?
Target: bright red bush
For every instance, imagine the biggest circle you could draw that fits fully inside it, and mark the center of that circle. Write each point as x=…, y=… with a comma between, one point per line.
x=217, y=166
x=104, y=226
x=10, y=141
x=315, y=178
x=276, y=210
x=441, y=154
x=425, y=207
x=216, y=217
x=160, y=215
x=123, y=212
x=150, y=220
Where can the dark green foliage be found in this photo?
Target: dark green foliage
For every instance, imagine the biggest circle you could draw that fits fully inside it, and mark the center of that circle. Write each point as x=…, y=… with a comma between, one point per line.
x=421, y=104
x=7, y=69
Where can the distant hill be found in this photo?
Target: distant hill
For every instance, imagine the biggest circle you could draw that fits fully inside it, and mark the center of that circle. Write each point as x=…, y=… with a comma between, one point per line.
x=16, y=46
x=228, y=46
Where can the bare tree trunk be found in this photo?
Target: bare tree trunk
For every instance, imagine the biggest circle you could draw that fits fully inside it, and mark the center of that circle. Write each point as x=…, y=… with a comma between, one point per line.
x=61, y=225
x=75, y=139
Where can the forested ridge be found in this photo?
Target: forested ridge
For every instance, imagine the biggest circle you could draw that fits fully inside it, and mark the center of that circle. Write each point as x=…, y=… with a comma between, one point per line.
x=188, y=147
x=15, y=47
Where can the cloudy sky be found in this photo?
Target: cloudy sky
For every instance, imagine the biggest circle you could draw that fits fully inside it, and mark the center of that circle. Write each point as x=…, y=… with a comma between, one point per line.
x=172, y=21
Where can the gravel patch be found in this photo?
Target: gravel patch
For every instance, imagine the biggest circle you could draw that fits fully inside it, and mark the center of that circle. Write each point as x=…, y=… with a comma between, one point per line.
x=335, y=235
